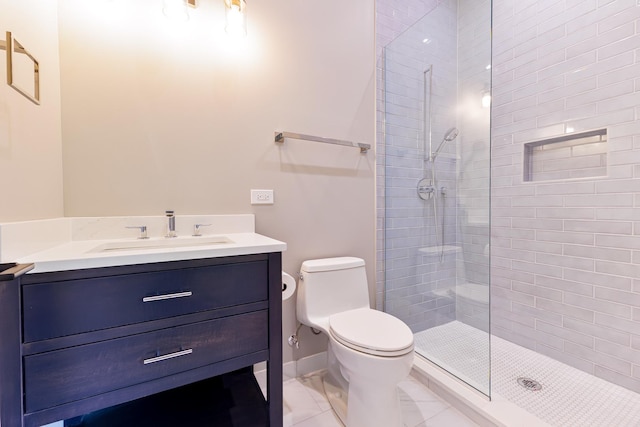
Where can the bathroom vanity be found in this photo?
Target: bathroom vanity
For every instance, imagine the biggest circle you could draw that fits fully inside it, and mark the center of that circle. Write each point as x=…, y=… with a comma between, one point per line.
x=75, y=341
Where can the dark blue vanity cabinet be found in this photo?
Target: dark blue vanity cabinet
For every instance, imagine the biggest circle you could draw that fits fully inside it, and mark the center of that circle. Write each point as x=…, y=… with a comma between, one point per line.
x=75, y=342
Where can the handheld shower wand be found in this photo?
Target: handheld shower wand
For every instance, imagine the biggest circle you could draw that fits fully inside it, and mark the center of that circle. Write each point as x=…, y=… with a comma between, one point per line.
x=428, y=189
x=448, y=137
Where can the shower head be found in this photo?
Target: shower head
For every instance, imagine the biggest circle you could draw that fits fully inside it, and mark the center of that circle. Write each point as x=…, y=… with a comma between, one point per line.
x=448, y=137
x=451, y=134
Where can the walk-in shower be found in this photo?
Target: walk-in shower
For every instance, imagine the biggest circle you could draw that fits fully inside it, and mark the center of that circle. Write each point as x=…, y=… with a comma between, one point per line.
x=543, y=183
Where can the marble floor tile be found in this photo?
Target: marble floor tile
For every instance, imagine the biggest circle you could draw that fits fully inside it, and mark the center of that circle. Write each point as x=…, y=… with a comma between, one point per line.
x=306, y=405
x=299, y=404
x=325, y=419
x=415, y=413
x=313, y=383
x=448, y=418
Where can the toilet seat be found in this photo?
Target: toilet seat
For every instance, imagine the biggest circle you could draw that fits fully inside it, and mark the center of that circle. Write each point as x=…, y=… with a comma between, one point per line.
x=371, y=331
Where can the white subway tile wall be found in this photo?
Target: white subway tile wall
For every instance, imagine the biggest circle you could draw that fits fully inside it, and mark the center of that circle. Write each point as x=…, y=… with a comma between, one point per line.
x=473, y=171
x=565, y=262
x=393, y=17
x=439, y=66
x=565, y=253
x=436, y=78
x=421, y=71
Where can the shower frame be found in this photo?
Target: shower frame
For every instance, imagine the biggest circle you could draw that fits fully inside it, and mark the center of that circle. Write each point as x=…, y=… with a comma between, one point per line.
x=426, y=281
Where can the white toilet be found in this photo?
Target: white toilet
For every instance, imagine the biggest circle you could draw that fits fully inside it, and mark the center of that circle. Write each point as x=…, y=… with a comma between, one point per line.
x=369, y=351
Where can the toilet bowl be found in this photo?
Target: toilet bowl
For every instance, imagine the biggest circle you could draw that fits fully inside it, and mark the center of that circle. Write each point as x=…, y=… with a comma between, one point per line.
x=369, y=351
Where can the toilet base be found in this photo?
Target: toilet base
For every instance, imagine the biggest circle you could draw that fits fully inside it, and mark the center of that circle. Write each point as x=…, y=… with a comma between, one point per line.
x=362, y=412
x=336, y=386
x=373, y=408
x=337, y=397
x=368, y=400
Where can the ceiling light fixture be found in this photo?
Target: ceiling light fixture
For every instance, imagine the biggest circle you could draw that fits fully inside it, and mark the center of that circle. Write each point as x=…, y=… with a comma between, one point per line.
x=235, y=11
x=176, y=10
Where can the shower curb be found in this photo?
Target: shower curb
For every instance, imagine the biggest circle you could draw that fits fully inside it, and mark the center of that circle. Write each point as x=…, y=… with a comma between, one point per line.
x=494, y=412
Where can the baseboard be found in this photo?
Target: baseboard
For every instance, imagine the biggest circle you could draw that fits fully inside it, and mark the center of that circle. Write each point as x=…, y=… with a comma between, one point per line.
x=296, y=368
x=309, y=364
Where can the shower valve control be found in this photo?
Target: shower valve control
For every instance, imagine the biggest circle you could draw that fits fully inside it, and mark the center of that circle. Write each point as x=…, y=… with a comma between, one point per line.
x=426, y=189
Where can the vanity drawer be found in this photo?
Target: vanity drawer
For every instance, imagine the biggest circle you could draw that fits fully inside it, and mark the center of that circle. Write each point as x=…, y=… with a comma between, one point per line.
x=67, y=375
x=55, y=309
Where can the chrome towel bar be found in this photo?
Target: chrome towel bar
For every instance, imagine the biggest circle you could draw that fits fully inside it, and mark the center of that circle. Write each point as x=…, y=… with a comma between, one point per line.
x=280, y=137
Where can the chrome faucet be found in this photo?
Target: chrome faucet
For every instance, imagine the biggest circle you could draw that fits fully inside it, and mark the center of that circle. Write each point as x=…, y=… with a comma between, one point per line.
x=171, y=224
x=143, y=231
x=196, y=229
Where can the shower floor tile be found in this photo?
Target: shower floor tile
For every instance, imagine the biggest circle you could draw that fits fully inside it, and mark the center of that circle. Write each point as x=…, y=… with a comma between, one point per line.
x=460, y=349
x=569, y=397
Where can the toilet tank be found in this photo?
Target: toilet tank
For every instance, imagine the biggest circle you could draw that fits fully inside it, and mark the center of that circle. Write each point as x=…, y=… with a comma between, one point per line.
x=328, y=286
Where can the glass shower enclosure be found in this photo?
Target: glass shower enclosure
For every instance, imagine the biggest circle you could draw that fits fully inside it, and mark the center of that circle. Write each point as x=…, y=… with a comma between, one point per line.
x=437, y=81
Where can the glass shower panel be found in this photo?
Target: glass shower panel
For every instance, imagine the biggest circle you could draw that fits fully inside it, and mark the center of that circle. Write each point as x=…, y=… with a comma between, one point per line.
x=437, y=144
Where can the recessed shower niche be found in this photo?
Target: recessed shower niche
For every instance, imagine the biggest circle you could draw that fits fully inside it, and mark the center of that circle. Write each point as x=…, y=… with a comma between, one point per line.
x=580, y=155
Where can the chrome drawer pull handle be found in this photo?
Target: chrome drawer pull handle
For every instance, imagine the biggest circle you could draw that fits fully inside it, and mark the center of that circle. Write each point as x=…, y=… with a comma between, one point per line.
x=167, y=296
x=167, y=356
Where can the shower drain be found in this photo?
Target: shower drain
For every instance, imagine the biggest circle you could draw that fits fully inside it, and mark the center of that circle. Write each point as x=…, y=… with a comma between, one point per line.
x=529, y=384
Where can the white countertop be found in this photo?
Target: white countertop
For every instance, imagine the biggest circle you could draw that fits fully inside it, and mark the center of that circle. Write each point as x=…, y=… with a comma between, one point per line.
x=79, y=255
x=80, y=251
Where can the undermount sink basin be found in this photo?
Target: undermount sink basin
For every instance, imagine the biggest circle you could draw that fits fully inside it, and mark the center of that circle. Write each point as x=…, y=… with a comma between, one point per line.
x=164, y=243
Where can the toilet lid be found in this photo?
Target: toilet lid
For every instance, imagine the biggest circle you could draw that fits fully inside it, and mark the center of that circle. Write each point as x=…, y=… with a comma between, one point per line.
x=372, y=332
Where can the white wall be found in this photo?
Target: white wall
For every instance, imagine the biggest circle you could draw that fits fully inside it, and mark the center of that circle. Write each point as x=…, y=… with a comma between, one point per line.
x=168, y=115
x=30, y=142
